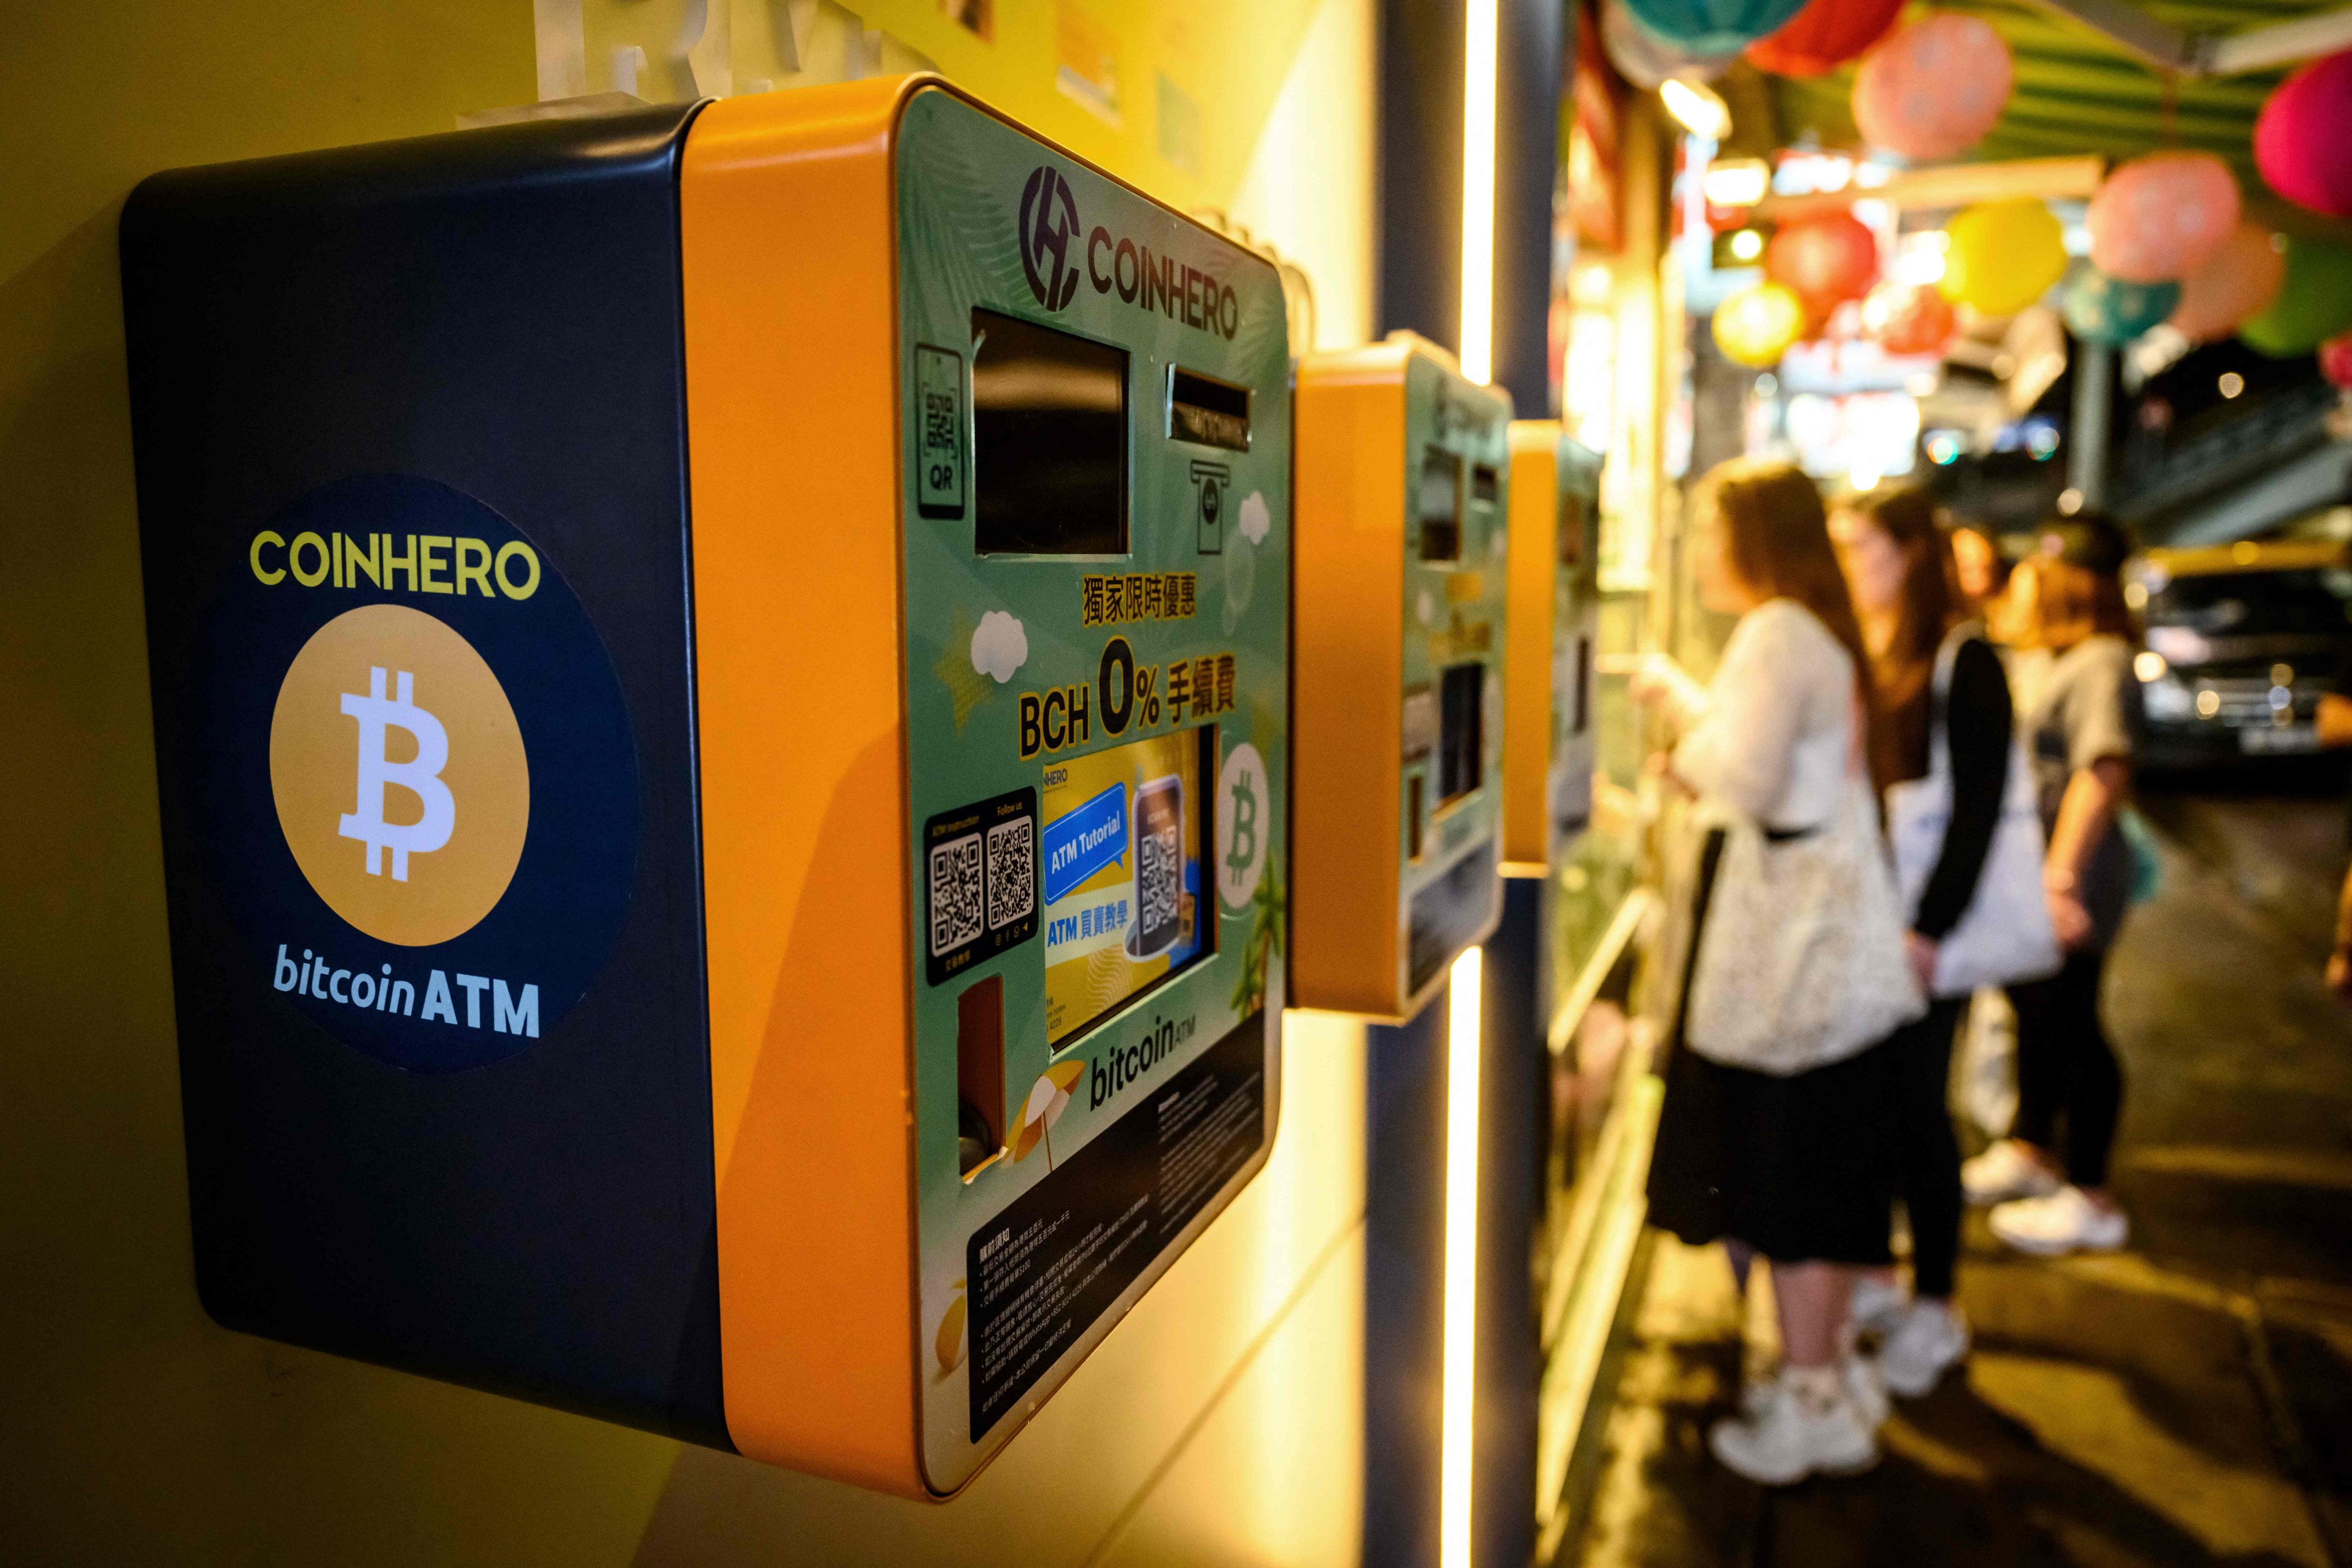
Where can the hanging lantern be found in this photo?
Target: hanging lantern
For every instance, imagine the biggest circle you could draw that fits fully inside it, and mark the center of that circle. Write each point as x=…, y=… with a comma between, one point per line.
x=2303, y=142
x=1647, y=61
x=1824, y=35
x=2243, y=279
x=2335, y=361
x=1827, y=260
x=2162, y=217
x=1933, y=89
x=1909, y=319
x=2314, y=303
x=2104, y=310
x=2003, y=256
x=1755, y=326
x=1711, y=26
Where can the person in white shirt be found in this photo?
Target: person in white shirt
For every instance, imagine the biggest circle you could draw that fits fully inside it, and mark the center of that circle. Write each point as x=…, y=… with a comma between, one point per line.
x=1790, y=1160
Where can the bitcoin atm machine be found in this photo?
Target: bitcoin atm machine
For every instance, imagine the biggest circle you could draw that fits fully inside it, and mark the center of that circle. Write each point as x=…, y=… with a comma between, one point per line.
x=1548, y=753
x=1402, y=566
x=721, y=684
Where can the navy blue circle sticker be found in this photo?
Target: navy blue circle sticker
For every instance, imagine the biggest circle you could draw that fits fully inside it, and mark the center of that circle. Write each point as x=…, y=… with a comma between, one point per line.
x=415, y=771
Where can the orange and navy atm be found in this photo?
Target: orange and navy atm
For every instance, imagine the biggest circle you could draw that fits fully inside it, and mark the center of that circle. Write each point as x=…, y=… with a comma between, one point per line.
x=721, y=680
x=1402, y=572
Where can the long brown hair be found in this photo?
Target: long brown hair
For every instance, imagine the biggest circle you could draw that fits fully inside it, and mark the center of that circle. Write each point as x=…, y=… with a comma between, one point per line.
x=1924, y=609
x=1776, y=540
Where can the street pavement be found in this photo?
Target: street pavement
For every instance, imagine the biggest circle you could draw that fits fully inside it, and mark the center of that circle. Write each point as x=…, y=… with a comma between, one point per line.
x=2186, y=1402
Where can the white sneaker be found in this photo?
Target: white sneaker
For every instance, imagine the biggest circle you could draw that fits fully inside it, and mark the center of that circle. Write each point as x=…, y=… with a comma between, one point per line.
x=1864, y=1385
x=1931, y=1337
x=2064, y=1222
x=2004, y=1172
x=1877, y=1305
x=1787, y=1442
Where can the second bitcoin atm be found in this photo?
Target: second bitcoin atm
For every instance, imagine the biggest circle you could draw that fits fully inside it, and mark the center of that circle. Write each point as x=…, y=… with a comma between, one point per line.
x=1554, y=624
x=1401, y=564
x=772, y=947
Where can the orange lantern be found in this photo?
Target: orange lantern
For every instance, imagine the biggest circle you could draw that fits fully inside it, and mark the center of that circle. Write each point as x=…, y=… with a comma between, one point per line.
x=1827, y=260
x=2244, y=276
x=1909, y=319
x=1824, y=35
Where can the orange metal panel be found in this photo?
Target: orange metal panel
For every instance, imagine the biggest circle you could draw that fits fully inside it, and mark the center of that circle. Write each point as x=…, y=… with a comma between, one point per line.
x=1533, y=567
x=1347, y=710
x=792, y=401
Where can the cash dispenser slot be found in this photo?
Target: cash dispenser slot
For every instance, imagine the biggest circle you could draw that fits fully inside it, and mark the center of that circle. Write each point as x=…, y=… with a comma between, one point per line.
x=980, y=1076
x=1203, y=409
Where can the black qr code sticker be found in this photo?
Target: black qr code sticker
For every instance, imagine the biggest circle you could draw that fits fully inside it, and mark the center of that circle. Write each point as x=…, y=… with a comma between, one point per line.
x=1011, y=871
x=1159, y=878
x=956, y=883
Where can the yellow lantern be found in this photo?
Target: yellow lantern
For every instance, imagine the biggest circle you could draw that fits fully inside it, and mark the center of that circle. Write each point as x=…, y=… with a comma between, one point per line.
x=1756, y=326
x=2003, y=256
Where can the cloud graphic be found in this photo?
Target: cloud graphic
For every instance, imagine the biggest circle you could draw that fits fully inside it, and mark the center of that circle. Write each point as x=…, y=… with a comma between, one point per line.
x=1000, y=646
x=1424, y=608
x=1256, y=521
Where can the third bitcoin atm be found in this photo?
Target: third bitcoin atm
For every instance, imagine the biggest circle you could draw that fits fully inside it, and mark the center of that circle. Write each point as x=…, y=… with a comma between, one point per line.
x=1401, y=564
x=630, y=952
x=1554, y=564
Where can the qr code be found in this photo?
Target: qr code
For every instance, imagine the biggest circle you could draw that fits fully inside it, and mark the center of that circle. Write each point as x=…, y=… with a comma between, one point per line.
x=1011, y=871
x=955, y=893
x=1159, y=878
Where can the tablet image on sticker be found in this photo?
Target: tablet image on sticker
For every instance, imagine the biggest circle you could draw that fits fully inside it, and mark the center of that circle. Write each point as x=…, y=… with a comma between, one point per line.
x=1121, y=840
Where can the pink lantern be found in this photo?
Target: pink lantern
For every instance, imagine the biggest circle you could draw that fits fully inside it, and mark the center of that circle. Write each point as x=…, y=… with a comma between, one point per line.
x=2336, y=359
x=1827, y=259
x=1933, y=89
x=1909, y=319
x=2162, y=217
x=2244, y=277
x=2303, y=142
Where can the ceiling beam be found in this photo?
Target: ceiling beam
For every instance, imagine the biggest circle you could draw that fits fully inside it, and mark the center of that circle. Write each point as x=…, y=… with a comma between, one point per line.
x=2132, y=30
x=2281, y=43
x=2164, y=48
x=1945, y=186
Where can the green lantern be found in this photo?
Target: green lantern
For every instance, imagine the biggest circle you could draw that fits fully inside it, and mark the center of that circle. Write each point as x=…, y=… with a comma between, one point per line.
x=2314, y=304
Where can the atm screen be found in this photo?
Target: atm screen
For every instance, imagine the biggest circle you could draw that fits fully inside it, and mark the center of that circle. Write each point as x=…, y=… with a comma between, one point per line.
x=1460, y=743
x=1049, y=440
x=1122, y=852
x=1440, y=506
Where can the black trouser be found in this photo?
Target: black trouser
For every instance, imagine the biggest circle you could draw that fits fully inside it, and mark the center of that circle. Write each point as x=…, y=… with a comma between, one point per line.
x=1927, y=1151
x=2065, y=1066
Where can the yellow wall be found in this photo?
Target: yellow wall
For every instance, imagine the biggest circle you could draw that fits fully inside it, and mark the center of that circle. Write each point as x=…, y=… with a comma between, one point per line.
x=1219, y=1425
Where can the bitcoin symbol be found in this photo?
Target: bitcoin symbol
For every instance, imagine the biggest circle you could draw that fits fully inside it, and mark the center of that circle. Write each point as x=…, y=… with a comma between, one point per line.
x=1241, y=838
x=421, y=775
x=1245, y=849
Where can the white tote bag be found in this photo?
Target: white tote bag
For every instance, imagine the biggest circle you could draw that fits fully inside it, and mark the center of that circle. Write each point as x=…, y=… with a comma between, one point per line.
x=2004, y=936
x=1799, y=960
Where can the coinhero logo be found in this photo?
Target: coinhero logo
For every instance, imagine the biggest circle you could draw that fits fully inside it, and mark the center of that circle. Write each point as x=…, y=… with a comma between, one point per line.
x=1049, y=237
x=419, y=777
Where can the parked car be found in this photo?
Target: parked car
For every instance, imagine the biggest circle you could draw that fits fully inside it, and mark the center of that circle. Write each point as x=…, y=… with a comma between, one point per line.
x=2241, y=642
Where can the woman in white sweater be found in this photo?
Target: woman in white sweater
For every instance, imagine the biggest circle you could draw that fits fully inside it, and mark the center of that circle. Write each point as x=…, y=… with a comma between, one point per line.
x=1783, y=1155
